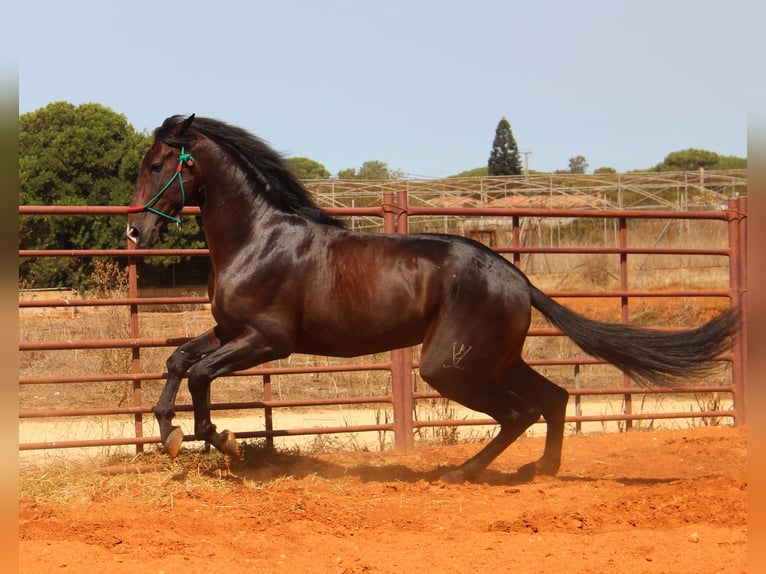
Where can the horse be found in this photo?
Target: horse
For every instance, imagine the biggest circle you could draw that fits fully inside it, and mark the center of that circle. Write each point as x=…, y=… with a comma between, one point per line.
x=288, y=277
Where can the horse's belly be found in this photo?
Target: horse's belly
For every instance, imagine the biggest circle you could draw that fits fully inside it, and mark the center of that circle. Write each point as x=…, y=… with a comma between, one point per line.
x=358, y=338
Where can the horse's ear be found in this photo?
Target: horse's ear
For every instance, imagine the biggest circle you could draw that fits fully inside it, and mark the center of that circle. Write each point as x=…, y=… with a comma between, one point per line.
x=184, y=126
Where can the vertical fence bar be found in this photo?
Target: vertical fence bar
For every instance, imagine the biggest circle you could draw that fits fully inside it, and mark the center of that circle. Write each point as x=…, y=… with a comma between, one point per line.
x=577, y=399
x=516, y=239
x=734, y=286
x=742, y=356
x=625, y=316
x=407, y=406
x=401, y=359
x=135, y=361
x=738, y=285
x=268, y=412
x=402, y=217
x=401, y=367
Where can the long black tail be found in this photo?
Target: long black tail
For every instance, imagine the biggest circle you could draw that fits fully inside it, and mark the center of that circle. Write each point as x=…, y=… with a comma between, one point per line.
x=650, y=357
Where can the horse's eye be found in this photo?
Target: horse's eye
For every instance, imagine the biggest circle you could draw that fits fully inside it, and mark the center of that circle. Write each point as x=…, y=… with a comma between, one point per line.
x=156, y=167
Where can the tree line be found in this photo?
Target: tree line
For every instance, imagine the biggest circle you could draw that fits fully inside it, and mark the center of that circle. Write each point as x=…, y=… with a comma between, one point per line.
x=90, y=155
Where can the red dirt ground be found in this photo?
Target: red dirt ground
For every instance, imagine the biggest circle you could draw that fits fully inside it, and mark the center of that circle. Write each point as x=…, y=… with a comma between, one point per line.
x=664, y=501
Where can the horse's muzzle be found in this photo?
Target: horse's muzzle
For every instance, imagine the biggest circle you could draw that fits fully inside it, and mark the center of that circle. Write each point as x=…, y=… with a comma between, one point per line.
x=142, y=239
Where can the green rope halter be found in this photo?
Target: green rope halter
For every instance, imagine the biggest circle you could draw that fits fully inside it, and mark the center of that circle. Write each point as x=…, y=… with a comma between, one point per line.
x=184, y=160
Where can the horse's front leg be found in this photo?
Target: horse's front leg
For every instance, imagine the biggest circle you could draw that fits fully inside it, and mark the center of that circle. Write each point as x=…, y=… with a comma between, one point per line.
x=245, y=351
x=177, y=364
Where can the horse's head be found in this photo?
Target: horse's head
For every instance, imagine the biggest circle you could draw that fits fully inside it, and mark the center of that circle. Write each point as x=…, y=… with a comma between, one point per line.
x=168, y=180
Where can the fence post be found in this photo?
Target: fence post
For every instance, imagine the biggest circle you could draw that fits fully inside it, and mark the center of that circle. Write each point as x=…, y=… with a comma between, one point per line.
x=268, y=412
x=516, y=239
x=625, y=317
x=395, y=221
x=402, y=216
x=737, y=212
x=135, y=361
x=577, y=399
x=401, y=377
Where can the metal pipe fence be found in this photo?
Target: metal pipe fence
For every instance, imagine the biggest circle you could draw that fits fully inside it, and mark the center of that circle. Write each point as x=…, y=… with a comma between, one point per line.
x=398, y=217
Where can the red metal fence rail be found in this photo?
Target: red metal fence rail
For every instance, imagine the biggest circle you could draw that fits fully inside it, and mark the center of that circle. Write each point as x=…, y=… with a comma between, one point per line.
x=395, y=213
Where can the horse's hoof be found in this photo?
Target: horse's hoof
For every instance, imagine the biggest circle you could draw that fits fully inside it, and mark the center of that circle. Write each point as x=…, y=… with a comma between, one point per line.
x=173, y=442
x=456, y=476
x=528, y=471
x=230, y=447
x=539, y=467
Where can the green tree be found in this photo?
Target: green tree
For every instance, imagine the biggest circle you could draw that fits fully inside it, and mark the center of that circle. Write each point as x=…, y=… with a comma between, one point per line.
x=349, y=173
x=693, y=159
x=306, y=168
x=688, y=159
x=73, y=155
x=374, y=170
x=504, y=158
x=604, y=170
x=370, y=170
x=475, y=172
x=730, y=162
x=578, y=164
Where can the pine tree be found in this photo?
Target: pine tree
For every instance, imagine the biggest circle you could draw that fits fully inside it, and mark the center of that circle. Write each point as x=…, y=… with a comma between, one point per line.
x=504, y=158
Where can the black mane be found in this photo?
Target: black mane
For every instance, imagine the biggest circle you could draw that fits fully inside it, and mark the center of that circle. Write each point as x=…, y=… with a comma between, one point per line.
x=279, y=184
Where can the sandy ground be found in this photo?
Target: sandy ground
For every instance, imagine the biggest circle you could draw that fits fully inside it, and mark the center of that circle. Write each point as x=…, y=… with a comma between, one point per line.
x=658, y=501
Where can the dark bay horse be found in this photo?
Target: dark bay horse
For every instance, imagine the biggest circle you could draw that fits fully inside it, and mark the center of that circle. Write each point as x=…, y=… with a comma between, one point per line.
x=288, y=277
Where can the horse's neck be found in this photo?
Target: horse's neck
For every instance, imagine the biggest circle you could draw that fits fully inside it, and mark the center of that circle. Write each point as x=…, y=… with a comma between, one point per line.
x=237, y=221
x=228, y=211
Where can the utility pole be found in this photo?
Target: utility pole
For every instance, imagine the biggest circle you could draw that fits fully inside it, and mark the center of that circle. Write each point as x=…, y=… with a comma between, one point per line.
x=526, y=153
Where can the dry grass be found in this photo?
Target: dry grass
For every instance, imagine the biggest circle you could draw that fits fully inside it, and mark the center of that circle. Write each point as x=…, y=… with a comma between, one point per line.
x=146, y=477
x=152, y=477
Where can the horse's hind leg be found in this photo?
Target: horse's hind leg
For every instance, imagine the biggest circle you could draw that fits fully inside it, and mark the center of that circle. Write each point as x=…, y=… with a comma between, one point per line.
x=512, y=425
x=177, y=364
x=499, y=400
x=553, y=405
x=516, y=402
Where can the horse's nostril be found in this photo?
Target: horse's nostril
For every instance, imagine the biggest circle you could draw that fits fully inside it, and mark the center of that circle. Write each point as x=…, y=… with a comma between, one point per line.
x=133, y=234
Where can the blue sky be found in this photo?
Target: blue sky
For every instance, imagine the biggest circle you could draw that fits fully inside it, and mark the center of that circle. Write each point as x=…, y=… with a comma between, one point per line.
x=420, y=85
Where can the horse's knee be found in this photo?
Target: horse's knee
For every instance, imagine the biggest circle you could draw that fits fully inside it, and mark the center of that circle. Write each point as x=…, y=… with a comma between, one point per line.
x=177, y=362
